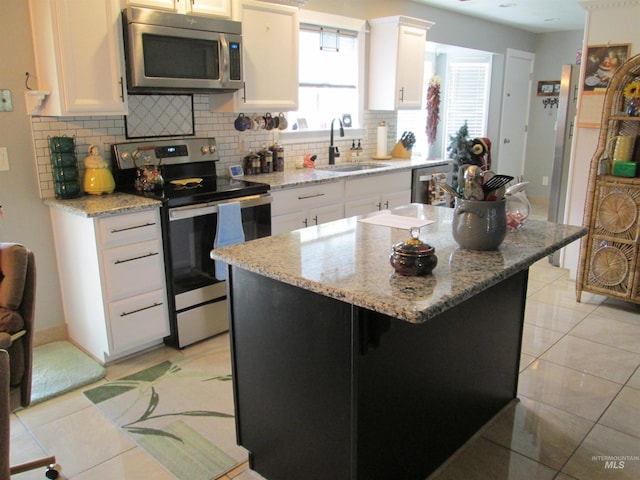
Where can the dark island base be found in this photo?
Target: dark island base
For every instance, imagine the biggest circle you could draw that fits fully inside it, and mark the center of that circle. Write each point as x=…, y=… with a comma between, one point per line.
x=324, y=389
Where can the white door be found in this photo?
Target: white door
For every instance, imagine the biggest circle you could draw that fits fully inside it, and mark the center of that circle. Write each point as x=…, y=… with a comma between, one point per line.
x=515, y=112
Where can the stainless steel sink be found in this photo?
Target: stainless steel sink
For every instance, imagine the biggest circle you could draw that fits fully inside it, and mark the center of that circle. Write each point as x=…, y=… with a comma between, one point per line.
x=353, y=167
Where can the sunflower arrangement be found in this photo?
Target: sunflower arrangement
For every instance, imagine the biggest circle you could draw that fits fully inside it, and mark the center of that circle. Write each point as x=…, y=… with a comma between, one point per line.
x=632, y=90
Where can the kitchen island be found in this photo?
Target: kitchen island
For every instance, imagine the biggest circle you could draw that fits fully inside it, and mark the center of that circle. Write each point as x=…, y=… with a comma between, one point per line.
x=345, y=370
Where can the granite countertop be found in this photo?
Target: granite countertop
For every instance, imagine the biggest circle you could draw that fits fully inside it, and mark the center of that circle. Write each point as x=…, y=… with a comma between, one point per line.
x=118, y=202
x=349, y=261
x=102, y=205
x=307, y=176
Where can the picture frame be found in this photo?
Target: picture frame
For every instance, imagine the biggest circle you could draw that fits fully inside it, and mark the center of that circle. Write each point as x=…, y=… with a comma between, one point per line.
x=236, y=171
x=549, y=88
x=600, y=64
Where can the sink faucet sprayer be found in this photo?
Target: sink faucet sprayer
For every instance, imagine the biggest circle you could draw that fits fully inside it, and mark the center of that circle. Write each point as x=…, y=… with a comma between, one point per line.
x=333, y=151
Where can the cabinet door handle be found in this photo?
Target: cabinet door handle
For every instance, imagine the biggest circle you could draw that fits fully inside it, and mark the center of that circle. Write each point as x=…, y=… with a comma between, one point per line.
x=118, y=230
x=386, y=204
x=379, y=204
x=315, y=219
x=122, y=89
x=305, y=222
x=402, y=94
x=152, y=254
x=311, y=196
x=244, y=92
x=155, y=304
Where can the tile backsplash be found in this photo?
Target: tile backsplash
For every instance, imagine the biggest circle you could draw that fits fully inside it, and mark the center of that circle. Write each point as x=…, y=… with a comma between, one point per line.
x=232, y=145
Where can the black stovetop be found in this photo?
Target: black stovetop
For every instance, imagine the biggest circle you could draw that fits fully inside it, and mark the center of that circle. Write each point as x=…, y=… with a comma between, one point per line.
x=179, y=159
x=210, y=189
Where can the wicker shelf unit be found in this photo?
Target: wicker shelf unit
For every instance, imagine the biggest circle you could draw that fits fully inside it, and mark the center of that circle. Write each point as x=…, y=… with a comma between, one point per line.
x=610, y=253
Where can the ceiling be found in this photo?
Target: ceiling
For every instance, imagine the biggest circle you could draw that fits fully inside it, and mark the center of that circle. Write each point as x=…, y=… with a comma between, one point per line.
x=537, y=16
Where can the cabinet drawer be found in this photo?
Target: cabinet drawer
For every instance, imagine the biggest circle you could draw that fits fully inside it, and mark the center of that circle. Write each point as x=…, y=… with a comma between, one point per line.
x=294, y=199
x=133, y=269
x=138, y=320
x=378, y=184
x=129, y=228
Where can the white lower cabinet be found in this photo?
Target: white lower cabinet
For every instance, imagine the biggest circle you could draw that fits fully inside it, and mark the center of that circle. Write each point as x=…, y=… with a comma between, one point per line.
x=301, y=207
x=112, y=280
x=380, y=192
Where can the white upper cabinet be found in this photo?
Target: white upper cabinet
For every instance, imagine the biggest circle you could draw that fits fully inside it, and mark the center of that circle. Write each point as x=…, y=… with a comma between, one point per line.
x=214, y=8
x=79, y=56
x=270, y=58
x=396, y=62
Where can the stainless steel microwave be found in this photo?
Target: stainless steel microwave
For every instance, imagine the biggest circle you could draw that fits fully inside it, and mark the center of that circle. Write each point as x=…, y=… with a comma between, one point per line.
x=169, y=52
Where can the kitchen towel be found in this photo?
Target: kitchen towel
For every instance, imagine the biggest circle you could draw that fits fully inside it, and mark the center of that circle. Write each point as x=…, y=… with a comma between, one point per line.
x=228, y=232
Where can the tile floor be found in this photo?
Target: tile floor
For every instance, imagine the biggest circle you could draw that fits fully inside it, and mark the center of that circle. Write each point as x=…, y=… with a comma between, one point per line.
x=577, y=415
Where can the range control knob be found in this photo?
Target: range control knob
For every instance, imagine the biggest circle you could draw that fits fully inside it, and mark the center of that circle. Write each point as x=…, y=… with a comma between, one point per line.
x=205, y=149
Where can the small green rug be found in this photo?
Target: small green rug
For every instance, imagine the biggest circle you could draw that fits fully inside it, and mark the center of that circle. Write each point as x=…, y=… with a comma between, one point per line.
x=180, y=412
x=60, y=367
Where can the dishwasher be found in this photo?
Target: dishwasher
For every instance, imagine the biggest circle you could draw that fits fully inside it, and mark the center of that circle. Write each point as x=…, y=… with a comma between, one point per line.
x=424, y=179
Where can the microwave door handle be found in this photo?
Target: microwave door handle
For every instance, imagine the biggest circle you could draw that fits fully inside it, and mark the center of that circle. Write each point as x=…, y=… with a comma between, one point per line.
x=225, y=74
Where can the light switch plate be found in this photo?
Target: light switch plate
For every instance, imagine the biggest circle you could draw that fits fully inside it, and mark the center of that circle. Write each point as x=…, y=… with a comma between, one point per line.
x=4, y=159
x=6, y=105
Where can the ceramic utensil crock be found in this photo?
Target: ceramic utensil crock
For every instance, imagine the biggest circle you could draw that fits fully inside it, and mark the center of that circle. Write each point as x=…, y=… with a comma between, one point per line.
x=479, y=225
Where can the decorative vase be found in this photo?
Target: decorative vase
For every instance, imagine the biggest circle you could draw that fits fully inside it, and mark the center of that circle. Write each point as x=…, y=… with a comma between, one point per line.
x=633, y=107
x=478, y=224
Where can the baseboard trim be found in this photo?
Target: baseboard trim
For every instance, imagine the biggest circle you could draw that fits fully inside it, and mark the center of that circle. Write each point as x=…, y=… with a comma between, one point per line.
x=52, y=334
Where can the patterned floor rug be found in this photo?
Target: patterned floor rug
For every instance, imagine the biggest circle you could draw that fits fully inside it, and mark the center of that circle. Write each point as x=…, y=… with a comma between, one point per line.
x=180, y=412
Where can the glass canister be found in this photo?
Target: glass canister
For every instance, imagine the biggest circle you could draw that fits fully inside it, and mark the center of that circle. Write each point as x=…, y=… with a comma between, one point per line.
x=278, y=157
x=518, y=207
x=266, y=160
x=249, y=161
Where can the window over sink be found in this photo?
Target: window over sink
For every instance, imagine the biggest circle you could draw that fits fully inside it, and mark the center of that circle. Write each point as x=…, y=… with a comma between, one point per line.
x=331, y=74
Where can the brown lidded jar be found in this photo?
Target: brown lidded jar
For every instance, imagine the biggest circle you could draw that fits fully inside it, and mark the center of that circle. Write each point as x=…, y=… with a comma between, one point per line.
x=413, y=257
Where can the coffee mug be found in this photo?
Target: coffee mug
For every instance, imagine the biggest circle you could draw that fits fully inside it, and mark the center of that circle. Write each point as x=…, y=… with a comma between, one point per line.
x=268, y=121
x=255, y=122
x=282, y=121
x=242, y=123
x=622, y=147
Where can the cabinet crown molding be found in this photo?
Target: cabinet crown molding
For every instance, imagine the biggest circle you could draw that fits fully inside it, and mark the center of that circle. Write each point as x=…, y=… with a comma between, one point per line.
x=598, y=4
x=401, y=20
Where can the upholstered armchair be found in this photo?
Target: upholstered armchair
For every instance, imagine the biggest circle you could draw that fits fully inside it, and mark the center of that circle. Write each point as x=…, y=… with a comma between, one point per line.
x=17, y=300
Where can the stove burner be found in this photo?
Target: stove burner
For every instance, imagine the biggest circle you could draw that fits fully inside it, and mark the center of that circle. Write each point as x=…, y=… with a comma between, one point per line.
x=187, y=186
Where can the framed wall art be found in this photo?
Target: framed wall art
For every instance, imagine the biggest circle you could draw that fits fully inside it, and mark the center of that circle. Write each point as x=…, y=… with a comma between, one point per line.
x=600, y=63
x=548, y=88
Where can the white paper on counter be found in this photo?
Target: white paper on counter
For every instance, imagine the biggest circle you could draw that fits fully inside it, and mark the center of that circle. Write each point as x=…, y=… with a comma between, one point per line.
x=396, y=221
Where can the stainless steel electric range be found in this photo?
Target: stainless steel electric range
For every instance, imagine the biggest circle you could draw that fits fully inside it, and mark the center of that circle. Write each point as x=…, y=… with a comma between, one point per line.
x=182, y=174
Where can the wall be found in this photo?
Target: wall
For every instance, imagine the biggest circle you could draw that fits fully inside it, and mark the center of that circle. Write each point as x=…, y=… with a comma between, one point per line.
x=552, y=51
x=26, y=219
x=608, y=21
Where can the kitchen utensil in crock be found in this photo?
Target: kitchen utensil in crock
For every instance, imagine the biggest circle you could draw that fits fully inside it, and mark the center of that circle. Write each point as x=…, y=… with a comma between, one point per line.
x=496, y=182
x=448, y=188
x=472, y=186
x=413, y=257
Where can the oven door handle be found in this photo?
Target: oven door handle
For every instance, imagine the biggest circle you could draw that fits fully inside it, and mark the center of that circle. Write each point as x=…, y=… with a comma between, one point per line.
x=190, y=211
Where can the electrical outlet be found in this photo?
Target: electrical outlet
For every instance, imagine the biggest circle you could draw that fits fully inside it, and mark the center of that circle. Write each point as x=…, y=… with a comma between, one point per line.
x=4, y=159
x=545, y=180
